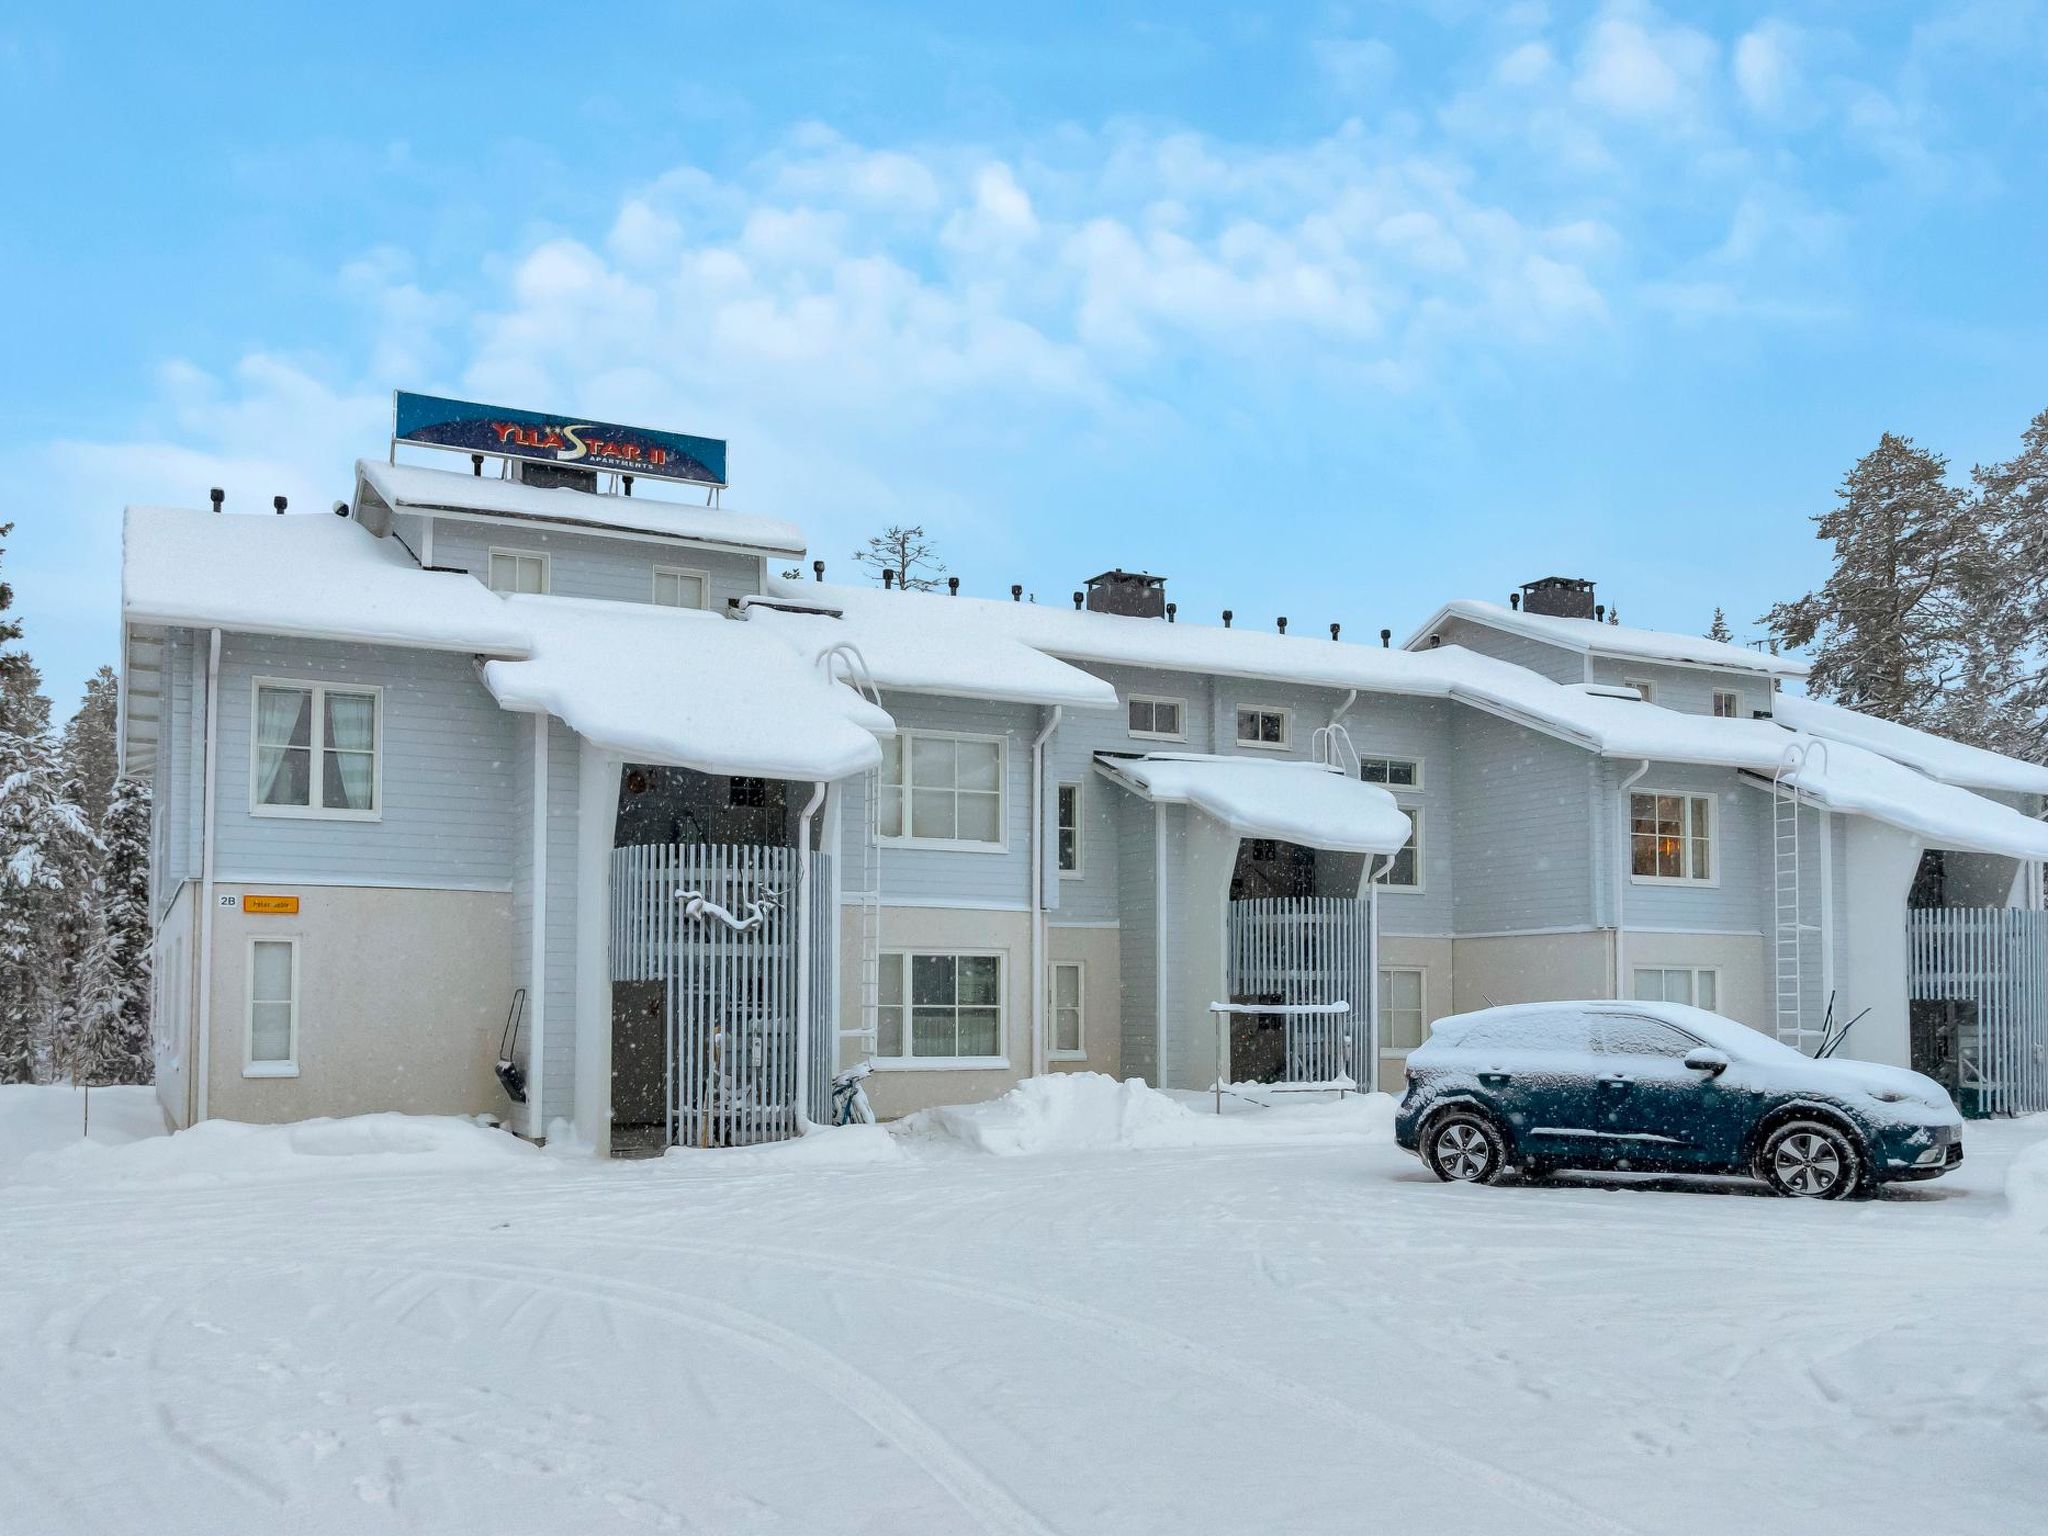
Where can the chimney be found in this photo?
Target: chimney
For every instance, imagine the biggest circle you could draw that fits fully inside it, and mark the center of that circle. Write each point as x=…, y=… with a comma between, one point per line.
x=1559, y=597
x=1171, y=610
x=1132, y=594
x=1283, y=623
x=1226, y=618
x=1079, y=598
x=1515, y=601
x=817, y=570
x=1599, y=613
x=1333, y=630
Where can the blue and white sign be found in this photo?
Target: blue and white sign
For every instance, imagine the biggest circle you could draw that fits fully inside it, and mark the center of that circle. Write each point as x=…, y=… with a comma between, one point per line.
x=562, y=440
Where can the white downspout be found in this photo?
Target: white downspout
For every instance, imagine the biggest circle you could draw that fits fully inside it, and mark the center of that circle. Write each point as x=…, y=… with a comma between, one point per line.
x=203, y=1067
x=1344, y=709
x=537, y=939
x=1827, y=903
x=803, y=956
x=1621, y=868
x=1039, y=1060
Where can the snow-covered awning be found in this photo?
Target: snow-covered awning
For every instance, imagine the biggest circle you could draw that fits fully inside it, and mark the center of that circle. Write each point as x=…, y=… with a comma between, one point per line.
x=310, y=575
x=687, y=689
x=1311, y=804
x=382, y=489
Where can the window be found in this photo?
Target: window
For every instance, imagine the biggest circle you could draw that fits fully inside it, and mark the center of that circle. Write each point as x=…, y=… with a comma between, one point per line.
x=746, y=792
x=1158, y=718
x=315, y=750
x=1394, y=772
x=273, y=1042
x=941, y=1008
x=515, y=570
x=1401, y=1022
x=944, y=791
x=1068, y=1034
x=1699, y=986
x=1259, y=726
x=1671, y=838
x=1727, y=704
x=1068, y=829
x=677, y=588
x=1632, y=1035
x=1643, y=686
x=1406, y=873
x=1559, y=1031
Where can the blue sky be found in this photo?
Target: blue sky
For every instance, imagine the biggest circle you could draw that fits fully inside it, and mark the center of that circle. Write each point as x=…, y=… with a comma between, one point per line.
x=1325, y=311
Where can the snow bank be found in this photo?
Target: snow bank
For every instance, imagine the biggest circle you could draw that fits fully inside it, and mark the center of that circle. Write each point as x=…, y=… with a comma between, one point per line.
x=1091, y=1112
x=225, y=1151
x=2026, y=1188
x=35, y=1118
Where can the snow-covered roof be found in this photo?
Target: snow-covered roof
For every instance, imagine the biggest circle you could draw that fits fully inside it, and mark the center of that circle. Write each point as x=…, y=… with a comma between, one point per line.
x=1591, y=637
x=1308, y=803
x=383, y=488
x=674, y=686
x=317, y=576
x=1949, y=761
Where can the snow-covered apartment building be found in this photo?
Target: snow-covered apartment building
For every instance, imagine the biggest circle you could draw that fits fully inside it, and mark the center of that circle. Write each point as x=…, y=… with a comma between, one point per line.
x=514, y=742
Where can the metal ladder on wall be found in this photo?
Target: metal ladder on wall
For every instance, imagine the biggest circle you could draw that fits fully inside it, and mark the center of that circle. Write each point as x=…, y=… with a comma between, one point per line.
x=1791, y=931
x=868, y=894
x=1331, y=744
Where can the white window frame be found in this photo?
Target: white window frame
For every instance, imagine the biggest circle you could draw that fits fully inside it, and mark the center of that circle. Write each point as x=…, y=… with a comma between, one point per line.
x=251, y=1067
x=1417, y=835
x=1080, y=819
x=1734, y=697
x=1714, y=848
x=1180, y=707
x=1286, y=741
x=1000, y=1062
x=547, y=567
x=1421, y=973
x=1390, y=758
x=1052, y=1010
x=1645, y=686
x=316, y=781
x=1693, y=971
x=703, y=578
x=906, y=839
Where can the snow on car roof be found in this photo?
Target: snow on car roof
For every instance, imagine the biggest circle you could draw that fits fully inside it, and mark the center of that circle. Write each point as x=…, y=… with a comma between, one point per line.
x=1714, y=1029
x=1950, y=761
x=672, y=685
x=1593, y=637
x=414, y=488
x=311, y=575
x=1308, y=803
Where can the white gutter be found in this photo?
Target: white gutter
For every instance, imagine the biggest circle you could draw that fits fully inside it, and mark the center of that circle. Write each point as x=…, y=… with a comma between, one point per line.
x=1621, y=869
x=202, y=1069
x=803, y=954
x=1039, y=1057
x=537, y=938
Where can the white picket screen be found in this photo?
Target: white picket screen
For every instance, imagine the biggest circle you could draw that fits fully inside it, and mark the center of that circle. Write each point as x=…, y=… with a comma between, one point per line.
x=1295, y=950
x=1995, y=958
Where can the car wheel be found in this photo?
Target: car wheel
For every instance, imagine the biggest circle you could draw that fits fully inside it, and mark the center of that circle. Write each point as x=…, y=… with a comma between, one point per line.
x=1810, y=1160
x=1464, y=1148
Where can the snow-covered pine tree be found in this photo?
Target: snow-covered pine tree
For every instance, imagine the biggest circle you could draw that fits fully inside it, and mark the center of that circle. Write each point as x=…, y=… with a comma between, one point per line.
x=90, y=754
x=1893, y=629
x=2014, y=501
x=1719, y=630
x=113, y=1020
x=908, y=553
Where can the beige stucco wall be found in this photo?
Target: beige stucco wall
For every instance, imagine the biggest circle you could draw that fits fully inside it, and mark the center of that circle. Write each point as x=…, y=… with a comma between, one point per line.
x=402, y=996
x=1531, y=968
x=1433, y=957
x=899, y=1091
x=1742, y=960
x=1098, y=950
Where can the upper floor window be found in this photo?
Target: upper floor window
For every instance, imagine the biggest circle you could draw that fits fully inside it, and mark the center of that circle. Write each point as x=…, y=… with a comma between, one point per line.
x=1671, y=838
x=1646, y=689
x=518, y=570
x=746, y=792
x=1394, y=772
x=316, y=750
x=1068, y=830
x=1406, y=871
x=1259, y=725
x=942, y=790
x=1727, y=704
x=1158, y=718
x=675, y=587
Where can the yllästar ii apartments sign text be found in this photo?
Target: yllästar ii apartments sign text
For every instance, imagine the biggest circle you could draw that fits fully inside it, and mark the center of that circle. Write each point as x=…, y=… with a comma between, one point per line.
x=562, y=440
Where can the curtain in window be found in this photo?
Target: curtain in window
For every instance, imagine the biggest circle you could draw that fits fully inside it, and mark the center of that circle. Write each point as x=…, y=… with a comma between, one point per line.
x=284, y=746
x=350, y=780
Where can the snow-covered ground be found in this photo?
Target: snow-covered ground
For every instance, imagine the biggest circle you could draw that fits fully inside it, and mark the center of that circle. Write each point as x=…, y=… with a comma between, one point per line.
x=1275, y=1322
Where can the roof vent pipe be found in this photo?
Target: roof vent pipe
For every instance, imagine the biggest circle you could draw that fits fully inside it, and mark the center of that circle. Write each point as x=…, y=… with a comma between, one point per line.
x=1171, y=610
x=1515, y=601
x=1226, y=618
x=1283, y=623
x=1079, y=598
x=278, y=502
x=341, y=509
x=952, y=586
x=1435, y=641
x=476, y=465
x=1386, y=638
x=1599, y=613
x=1016, y=592
x=627, y=482
x=1333, y=630
x=888, y=577
x=216, y=496
x=817, y=570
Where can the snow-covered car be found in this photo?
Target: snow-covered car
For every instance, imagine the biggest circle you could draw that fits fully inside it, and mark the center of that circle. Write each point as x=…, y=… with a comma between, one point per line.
x=1665, y=1088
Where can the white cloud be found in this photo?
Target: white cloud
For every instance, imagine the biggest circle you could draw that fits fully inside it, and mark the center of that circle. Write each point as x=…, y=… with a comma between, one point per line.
x=1766, y=68
x=1634, y=65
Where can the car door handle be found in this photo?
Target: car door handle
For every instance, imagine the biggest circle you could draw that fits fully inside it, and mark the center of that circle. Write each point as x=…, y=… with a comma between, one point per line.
x=1618, y=1080
x=1493, y=1079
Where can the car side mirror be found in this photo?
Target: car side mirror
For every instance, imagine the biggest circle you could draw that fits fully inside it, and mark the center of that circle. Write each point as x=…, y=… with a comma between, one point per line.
x=1707, y=1060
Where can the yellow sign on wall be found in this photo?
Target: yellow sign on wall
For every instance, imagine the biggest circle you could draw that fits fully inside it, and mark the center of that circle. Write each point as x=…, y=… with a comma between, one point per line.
x=272, y=906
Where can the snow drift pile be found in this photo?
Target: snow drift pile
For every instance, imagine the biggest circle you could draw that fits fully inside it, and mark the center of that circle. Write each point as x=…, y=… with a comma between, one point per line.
x=2026, y=1188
